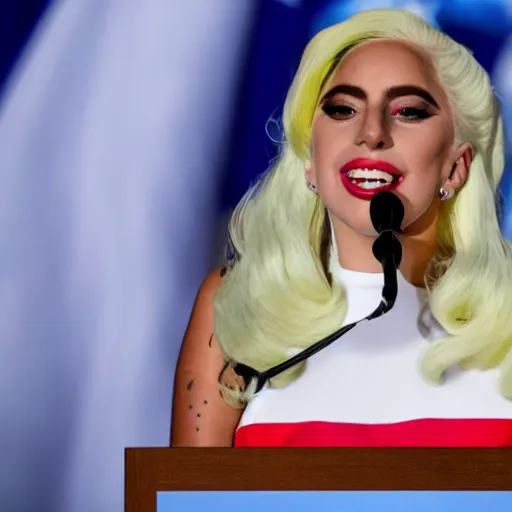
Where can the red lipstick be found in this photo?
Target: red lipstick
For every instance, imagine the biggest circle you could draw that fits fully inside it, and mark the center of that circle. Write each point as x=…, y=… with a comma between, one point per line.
x=367, y=163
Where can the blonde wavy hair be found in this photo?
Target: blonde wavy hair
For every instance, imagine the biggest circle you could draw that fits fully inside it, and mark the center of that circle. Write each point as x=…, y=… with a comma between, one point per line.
x=278, y=298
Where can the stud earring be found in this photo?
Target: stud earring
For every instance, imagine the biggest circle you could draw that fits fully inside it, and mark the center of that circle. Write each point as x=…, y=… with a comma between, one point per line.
x=312, y=186
x=445, y=194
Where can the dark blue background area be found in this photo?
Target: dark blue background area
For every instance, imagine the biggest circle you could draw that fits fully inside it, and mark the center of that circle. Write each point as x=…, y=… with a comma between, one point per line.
x=18, y=19
x=280, y=34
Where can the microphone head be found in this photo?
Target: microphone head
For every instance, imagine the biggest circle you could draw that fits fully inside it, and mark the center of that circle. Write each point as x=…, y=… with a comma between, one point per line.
x=386, y=212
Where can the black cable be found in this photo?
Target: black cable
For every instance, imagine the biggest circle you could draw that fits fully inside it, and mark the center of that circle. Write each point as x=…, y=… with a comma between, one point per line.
x=387, y=212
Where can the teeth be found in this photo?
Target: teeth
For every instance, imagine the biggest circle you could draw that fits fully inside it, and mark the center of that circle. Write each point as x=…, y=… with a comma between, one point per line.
x=368, y=184
x=371, y=174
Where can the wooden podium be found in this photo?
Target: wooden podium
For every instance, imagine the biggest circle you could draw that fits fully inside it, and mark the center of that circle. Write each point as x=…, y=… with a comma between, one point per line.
x=149, y=470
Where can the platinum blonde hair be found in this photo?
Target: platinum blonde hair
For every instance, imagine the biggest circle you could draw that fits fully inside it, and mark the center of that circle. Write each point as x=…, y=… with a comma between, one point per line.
x=277, y=299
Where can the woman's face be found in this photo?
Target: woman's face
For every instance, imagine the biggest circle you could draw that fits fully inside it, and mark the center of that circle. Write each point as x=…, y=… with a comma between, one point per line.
x=383, y=123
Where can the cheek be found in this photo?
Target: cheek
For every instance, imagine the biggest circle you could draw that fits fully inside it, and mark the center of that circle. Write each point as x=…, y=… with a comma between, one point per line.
x=327, y=148
x=319, y=157
x=429, y=158
x=422, y=182
x=319, y=139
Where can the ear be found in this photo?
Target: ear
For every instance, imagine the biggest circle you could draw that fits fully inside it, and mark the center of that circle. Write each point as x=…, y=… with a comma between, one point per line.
x=459, y=171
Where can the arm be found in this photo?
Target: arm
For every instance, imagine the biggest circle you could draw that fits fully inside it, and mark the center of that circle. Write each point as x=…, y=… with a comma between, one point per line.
x=200, y=415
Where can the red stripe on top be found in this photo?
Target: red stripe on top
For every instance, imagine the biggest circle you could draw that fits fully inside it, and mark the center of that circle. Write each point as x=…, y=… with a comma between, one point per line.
x=416, y=433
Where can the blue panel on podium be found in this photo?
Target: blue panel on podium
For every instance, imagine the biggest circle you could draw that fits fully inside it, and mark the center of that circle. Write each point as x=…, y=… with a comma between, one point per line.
x=306, y=501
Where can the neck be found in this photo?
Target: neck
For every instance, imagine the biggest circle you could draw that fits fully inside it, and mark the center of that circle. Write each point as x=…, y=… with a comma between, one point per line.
x=418, y=243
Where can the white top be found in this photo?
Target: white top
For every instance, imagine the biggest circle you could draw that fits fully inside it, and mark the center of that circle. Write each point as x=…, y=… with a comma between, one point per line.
x=370, y=376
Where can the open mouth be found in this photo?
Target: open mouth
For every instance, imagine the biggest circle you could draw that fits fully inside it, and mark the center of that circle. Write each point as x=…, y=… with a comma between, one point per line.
x=364, y=177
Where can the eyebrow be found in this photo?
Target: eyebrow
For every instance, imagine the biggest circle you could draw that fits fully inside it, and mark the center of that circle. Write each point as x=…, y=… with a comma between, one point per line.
x=391, y=93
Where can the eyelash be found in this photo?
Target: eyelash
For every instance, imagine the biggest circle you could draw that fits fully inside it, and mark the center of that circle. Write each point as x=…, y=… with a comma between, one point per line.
x=408, y=113
x=415, y=113
x=337, y=111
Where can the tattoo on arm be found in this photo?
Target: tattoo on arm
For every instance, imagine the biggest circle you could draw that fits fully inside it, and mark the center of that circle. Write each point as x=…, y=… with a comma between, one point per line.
x=198, y=415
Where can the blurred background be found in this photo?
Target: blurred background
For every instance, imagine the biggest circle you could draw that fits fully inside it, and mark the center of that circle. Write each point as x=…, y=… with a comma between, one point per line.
x=129, y=129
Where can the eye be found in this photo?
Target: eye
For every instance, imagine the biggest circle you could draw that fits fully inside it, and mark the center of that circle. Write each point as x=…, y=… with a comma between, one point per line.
x=338, y=111
x=411, y=113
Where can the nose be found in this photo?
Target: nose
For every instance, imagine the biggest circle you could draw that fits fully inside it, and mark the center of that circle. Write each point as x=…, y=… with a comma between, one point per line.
x=374, y=131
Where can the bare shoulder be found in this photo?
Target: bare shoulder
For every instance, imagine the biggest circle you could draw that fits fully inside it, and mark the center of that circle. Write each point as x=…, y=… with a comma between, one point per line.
x=200, y=416
x=211, y=283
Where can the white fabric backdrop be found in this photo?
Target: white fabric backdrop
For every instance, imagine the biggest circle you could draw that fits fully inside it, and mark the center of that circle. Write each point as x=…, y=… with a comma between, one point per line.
x=110, y=137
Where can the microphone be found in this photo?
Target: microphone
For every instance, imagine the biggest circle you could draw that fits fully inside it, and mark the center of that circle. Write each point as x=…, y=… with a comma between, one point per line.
x=387, y=214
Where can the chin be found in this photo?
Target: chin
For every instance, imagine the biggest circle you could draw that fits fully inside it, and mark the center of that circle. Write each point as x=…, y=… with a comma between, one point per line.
x=360, y=224
x=366, y=230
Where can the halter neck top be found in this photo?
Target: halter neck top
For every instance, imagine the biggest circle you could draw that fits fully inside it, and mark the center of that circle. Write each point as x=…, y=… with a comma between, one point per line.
x=366, y=390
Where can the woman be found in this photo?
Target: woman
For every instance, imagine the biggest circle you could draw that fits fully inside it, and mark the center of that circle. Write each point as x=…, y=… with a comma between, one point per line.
x=382, y=101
